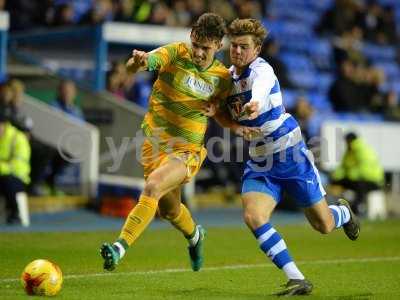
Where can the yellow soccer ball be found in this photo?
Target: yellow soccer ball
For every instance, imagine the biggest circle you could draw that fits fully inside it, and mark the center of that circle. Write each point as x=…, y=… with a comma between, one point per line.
x=42, y=277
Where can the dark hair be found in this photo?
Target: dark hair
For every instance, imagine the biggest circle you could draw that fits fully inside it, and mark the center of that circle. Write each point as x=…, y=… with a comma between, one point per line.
x=248, y=26
x=351, y=136
x=209, y=26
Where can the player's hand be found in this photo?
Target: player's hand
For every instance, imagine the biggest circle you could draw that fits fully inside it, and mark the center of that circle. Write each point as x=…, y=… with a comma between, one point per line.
x=248, y=133
x=137, y=62
x=209, y=109
x=251, y=109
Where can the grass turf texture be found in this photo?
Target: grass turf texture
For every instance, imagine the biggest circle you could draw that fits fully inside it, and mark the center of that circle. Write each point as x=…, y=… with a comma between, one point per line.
x=234, y=267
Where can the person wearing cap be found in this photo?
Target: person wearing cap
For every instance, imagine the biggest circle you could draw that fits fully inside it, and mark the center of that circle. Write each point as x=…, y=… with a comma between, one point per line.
x=15, y=154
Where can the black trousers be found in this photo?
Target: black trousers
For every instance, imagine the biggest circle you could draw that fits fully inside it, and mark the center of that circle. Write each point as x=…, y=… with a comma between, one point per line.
x=9, y=187
x=361, y=189
x=44, y=157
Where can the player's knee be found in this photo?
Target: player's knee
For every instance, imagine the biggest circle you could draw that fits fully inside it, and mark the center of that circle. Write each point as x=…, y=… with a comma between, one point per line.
x=168, y=214
x=151, y=189
x=254, y=220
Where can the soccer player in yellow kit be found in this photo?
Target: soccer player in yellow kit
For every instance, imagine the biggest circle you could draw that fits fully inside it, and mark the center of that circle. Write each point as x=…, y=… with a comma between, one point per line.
x=189, y=80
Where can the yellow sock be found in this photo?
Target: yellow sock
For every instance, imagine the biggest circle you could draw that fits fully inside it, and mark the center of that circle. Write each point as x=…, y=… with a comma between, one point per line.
x=138, y=219
x=184, y=222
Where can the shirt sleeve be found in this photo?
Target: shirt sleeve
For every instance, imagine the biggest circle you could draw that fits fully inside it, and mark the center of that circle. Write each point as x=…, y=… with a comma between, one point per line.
x=162, y=56
x=263, y=83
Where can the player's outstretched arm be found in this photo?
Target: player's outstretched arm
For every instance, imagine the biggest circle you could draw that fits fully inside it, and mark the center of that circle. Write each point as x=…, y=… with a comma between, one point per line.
x=224, y=120
x=137, y=62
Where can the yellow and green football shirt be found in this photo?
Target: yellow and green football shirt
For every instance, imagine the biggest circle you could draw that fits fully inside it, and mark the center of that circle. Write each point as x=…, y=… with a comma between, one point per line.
x=174, y=117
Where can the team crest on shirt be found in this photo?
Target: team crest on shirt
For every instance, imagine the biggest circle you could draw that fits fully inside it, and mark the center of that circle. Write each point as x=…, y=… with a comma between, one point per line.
x=235, y=106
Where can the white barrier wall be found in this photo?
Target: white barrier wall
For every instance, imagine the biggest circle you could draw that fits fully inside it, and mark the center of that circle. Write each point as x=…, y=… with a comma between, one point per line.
x=80, y=139
x=383, y=137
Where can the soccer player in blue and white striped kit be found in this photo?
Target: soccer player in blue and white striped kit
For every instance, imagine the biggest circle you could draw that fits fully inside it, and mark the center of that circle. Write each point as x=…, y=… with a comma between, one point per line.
x=279, y=159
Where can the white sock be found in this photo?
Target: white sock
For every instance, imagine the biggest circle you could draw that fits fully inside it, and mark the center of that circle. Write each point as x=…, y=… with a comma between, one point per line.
x=346, y=213
x=193, y=241
x=121, y=249
x=292, y=272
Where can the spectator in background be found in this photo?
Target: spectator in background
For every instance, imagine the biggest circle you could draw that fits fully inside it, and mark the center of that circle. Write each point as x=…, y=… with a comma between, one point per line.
x=101, y=11
x=392, y=110
x=66, y=99
x=179, y=15
x=270, y=52
x=116, y=79
x=160, y=13
x=196, y=9
x=305, y=116
x=139, y=89
x=17, y=90
x=359, y=170
x=23, y=14
x=123, y=10
x=248, y=9
x=5, y=97
x=388, y=28
x=371, y=22
x=345, y=94
x=14, y=165
x=349, y=46
x=223, y=8
x=63, y=15
x=339, y=18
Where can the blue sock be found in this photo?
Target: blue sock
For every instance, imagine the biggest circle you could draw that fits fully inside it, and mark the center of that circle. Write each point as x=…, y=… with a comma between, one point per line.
x=272, y=244
x=341, y=214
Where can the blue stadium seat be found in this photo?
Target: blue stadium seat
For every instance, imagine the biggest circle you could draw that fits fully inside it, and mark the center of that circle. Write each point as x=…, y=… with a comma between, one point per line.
x=288, y=30
x=320, y=5
x=320, y=50
x=320, y=101
x=378, y=52
x=391, y=69
x=395, y=86
x=289, y=98
x=297, y=62
x=298, y=14
x=363, y=117
x=295, y=45
x=305, y=79
x=324, y=81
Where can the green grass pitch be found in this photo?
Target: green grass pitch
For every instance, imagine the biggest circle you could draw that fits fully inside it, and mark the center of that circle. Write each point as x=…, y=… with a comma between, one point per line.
x=157, y=266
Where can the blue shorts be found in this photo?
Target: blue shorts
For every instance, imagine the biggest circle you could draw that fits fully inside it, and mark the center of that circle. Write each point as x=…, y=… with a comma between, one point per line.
x=293, y=171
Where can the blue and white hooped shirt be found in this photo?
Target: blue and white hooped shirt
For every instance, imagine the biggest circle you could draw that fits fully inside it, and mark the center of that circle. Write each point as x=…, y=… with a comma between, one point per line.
x=279, y=129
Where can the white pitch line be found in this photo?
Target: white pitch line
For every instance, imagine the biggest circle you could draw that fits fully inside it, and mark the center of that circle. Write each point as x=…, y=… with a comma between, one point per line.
x=230, y=267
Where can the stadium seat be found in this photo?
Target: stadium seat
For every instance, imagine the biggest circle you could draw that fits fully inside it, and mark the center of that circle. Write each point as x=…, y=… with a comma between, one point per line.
x=379, y=53
x=299, y=14
x=297, y=62
x=304, y=79
x=391, y=69
x=324, y=81
x=320, y=50
x=289, y=98
x=320, y=101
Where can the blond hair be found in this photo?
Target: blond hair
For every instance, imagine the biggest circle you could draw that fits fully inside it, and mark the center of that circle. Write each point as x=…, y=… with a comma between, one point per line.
x=248, y=26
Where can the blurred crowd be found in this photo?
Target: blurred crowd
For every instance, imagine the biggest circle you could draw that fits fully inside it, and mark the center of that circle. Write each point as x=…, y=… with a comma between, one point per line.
x=44, y=163
x=35, y=13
